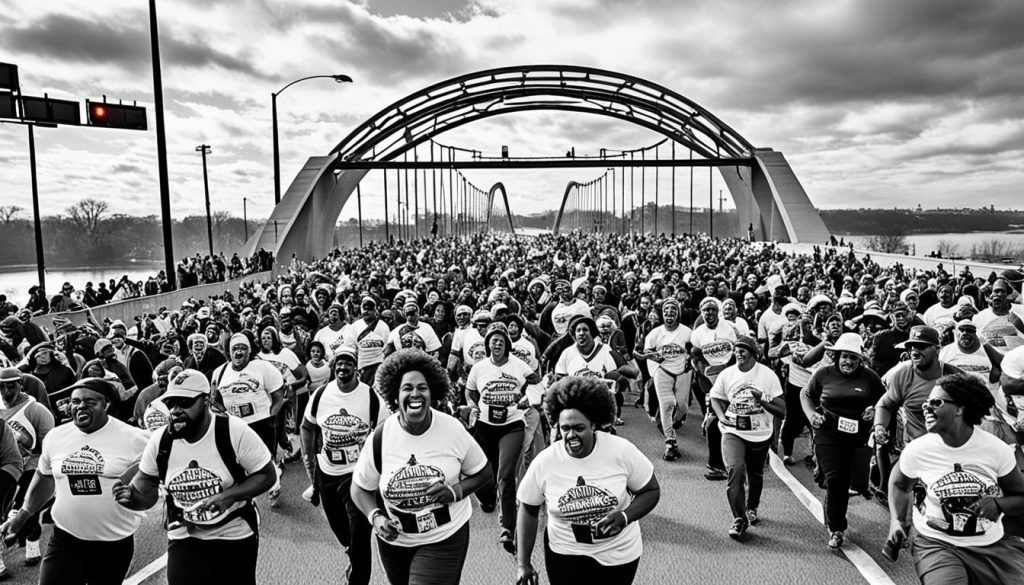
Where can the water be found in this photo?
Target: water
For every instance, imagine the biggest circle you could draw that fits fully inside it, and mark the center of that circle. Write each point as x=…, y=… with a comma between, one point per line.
x=15, y=283
x=926, y=243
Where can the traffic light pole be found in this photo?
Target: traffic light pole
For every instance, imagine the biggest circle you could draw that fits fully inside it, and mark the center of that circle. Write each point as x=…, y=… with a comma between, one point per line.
x=161, y=149
x=205, y=149
x=40, y=264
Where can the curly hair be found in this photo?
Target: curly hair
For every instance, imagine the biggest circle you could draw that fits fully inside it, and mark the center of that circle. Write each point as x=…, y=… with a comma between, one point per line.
x=589, y=395
x=970, y=393
x=396, y=365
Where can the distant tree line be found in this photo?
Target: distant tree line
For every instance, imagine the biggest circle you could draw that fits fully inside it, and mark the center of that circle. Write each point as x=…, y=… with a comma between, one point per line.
x=906, y=222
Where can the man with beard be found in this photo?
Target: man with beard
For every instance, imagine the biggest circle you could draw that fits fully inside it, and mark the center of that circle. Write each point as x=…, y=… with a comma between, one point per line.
x=997, y=325
x=369, y=336
x=940, y=315
x=335, y=425
x=251, y=390
x=413, y=333
x=886, y=345
x=332, y=334
x=212, y=468
x=80, y=463
x=908, y=385
x=150, y=413
x=30, y=422
x=202, y=356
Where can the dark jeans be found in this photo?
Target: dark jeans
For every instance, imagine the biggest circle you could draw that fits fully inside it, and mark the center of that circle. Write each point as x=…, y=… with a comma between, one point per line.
x=843, y=459
x=744, y=462
x=573, y=569
x=439, y=563
x=795, y=421
x=348, y=524
x=73, y=561
x=503, y=446
x=714, y=435
x=191, y=561
x=31, y=529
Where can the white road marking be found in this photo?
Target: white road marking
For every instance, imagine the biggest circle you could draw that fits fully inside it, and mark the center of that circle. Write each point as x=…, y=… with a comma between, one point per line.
x=861, y=560
x=147, y=571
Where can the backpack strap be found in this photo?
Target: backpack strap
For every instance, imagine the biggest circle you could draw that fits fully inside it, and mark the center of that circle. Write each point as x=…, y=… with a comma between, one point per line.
x=378, y=442
x=222, y=436
x=374, y=413
x=317, y=394
x=163, y=454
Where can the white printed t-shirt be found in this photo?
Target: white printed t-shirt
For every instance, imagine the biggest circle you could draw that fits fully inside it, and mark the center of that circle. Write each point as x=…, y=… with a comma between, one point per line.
x=246, y=393
x=196, y=471
x=601, y=361
x=332, y=340
x=84, y=467
x=715, y=344
x=410, y=464
x=421, y=336
x=471, y=344
x=582, y=491
x=671, y=345
x=500, y=388
x=956, y=478
x=344, y=420
x=369, y=343
x=733, y=386
x=563, y=313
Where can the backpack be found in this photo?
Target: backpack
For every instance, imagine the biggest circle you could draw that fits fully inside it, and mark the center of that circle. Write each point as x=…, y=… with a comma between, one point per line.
x=374, y=413
x=222, y=439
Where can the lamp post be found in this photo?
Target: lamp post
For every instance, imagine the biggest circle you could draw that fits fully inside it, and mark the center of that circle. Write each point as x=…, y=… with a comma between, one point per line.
x=273, y=106
x=245, y=217
x=205, y=150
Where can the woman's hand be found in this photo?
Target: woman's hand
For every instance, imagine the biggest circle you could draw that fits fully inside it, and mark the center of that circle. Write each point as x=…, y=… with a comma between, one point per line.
x=526, y=574
x=869, y=413
x=442, y=493
x=816, y=420
x=988, y=508
x=611, y=524
x=384, y=527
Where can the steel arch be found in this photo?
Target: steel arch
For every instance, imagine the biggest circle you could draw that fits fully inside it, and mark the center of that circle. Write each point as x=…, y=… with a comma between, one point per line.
x=499, y=187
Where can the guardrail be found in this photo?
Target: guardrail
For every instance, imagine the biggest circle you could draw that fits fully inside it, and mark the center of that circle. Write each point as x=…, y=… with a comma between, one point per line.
x=913, y=262
x=128, y=309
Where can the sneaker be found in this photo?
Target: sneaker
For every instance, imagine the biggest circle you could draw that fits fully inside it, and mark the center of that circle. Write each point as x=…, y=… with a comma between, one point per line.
x=619, y=422
x=32, y=553
x=274, y=497
x=487, y=508
x=671, y=451
x=713, y=474
x=507, y=542
x=835, y=540
x=739, y=528
x=788, y=461
x=293, y=457
x=308, y=494
x=752, y=517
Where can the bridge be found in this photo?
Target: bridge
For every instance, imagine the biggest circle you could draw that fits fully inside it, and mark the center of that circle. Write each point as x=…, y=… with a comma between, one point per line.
x=767, y=193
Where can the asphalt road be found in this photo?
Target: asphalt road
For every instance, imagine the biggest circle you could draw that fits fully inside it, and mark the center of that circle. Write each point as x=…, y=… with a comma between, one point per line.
x=685, y=538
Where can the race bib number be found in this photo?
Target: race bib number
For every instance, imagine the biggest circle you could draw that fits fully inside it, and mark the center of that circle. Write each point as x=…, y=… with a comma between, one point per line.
x=84, y=485
x=848, y=425
x=743, y=422
x=242, y=410
x=497, y=415
x=425, y=521
x=343, y=456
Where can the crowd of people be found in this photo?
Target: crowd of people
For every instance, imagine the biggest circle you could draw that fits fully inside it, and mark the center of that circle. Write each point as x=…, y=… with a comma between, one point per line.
x=410, y=378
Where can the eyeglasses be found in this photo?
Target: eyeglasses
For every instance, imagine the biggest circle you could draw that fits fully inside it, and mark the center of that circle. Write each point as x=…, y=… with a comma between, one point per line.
x=181, y=402
x=935, y=403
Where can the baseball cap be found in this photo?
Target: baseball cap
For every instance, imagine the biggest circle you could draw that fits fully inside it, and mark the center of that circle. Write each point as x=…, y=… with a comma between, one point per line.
x=346, y=351
x=747, y=342
x=10, y=374
x=101, y=344
x=920, y=335
x=187, y=384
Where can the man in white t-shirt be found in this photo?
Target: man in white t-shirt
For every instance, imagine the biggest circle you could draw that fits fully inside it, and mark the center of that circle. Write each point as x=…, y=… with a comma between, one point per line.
x=342, y=414
x=413, y=333
x=940, y=316
x=567, y=307
x=369, y=335
x=212, y=468
x=998, y=326
x=468, y=347
x=251, y=390
x=332, y=335
x=745, y=397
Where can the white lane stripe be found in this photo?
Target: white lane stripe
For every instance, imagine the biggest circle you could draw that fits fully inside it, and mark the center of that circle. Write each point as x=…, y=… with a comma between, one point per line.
x=861, y=560
x=147, y=571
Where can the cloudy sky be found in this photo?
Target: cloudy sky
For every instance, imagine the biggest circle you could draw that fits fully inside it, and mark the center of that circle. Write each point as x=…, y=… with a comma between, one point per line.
x=874, y=102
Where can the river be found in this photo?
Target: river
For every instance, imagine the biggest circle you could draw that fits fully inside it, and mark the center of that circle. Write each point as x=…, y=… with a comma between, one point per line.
x=923, y=244
x=15, y=281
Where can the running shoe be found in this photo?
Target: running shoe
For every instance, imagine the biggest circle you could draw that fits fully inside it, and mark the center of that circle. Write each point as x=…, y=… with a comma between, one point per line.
x=308, y=494
x=32, y=553
x=274, y=497
x=713, y=474
x=671, y=451
x=788, y=460
x=487, y=508
x=507, y=541
x=619, y=422
x=752, y=517
x=835, y=540
x=739, y=528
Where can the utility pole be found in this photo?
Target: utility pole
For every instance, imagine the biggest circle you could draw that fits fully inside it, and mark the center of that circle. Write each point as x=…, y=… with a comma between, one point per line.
x=40, y=264
x=721, y=201
x=161, y=149
x=245, y=217
x=205, y=150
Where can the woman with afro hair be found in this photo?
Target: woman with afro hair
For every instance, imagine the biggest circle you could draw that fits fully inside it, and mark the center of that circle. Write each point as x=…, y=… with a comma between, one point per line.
x=595, y=487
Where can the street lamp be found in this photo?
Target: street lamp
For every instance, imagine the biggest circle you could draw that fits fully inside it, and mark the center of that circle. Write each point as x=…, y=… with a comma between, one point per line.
x=245, y=217
x=205, y=150
x=273, y=106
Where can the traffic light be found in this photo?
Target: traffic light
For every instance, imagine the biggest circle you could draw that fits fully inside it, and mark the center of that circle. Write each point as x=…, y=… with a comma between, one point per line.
x=121, y=116
x=48, y=110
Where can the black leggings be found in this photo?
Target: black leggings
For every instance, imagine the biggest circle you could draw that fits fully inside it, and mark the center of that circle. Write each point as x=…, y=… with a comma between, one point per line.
x=439, y=563
x=191, y=561
x=503, y=445
x=349, y=525
x=572, y=569
x=795, y=421
x=72, y=561
x=31, y=529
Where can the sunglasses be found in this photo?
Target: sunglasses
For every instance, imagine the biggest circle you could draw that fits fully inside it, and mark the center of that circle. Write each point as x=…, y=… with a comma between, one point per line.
x=935, y=403
x=181, y=402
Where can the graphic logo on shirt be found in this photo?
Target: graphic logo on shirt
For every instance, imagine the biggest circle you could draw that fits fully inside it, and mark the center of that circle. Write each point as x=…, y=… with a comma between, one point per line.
x=16, y=426
x=522, y=353
x=1001, y=334
x=371, y=343
x=410, y=338
x=191, y=486
x=501, y=392
x=344, y=430
x=154, y=418
x=85, y=461
x=671, y=350
x=958, y=492
x=245, y=384
x=744, y=403
x=588, y=373
x=477, y=351
x=586, y=504
x=407, y=488
x=718, y=351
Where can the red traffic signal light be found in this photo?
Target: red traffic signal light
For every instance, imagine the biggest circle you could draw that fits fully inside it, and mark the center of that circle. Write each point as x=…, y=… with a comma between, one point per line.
x=121, y=116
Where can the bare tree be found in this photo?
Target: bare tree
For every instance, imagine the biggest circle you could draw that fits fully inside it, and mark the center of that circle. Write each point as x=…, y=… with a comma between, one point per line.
x=9, y=213
x=87, y=214
x=887, y=243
